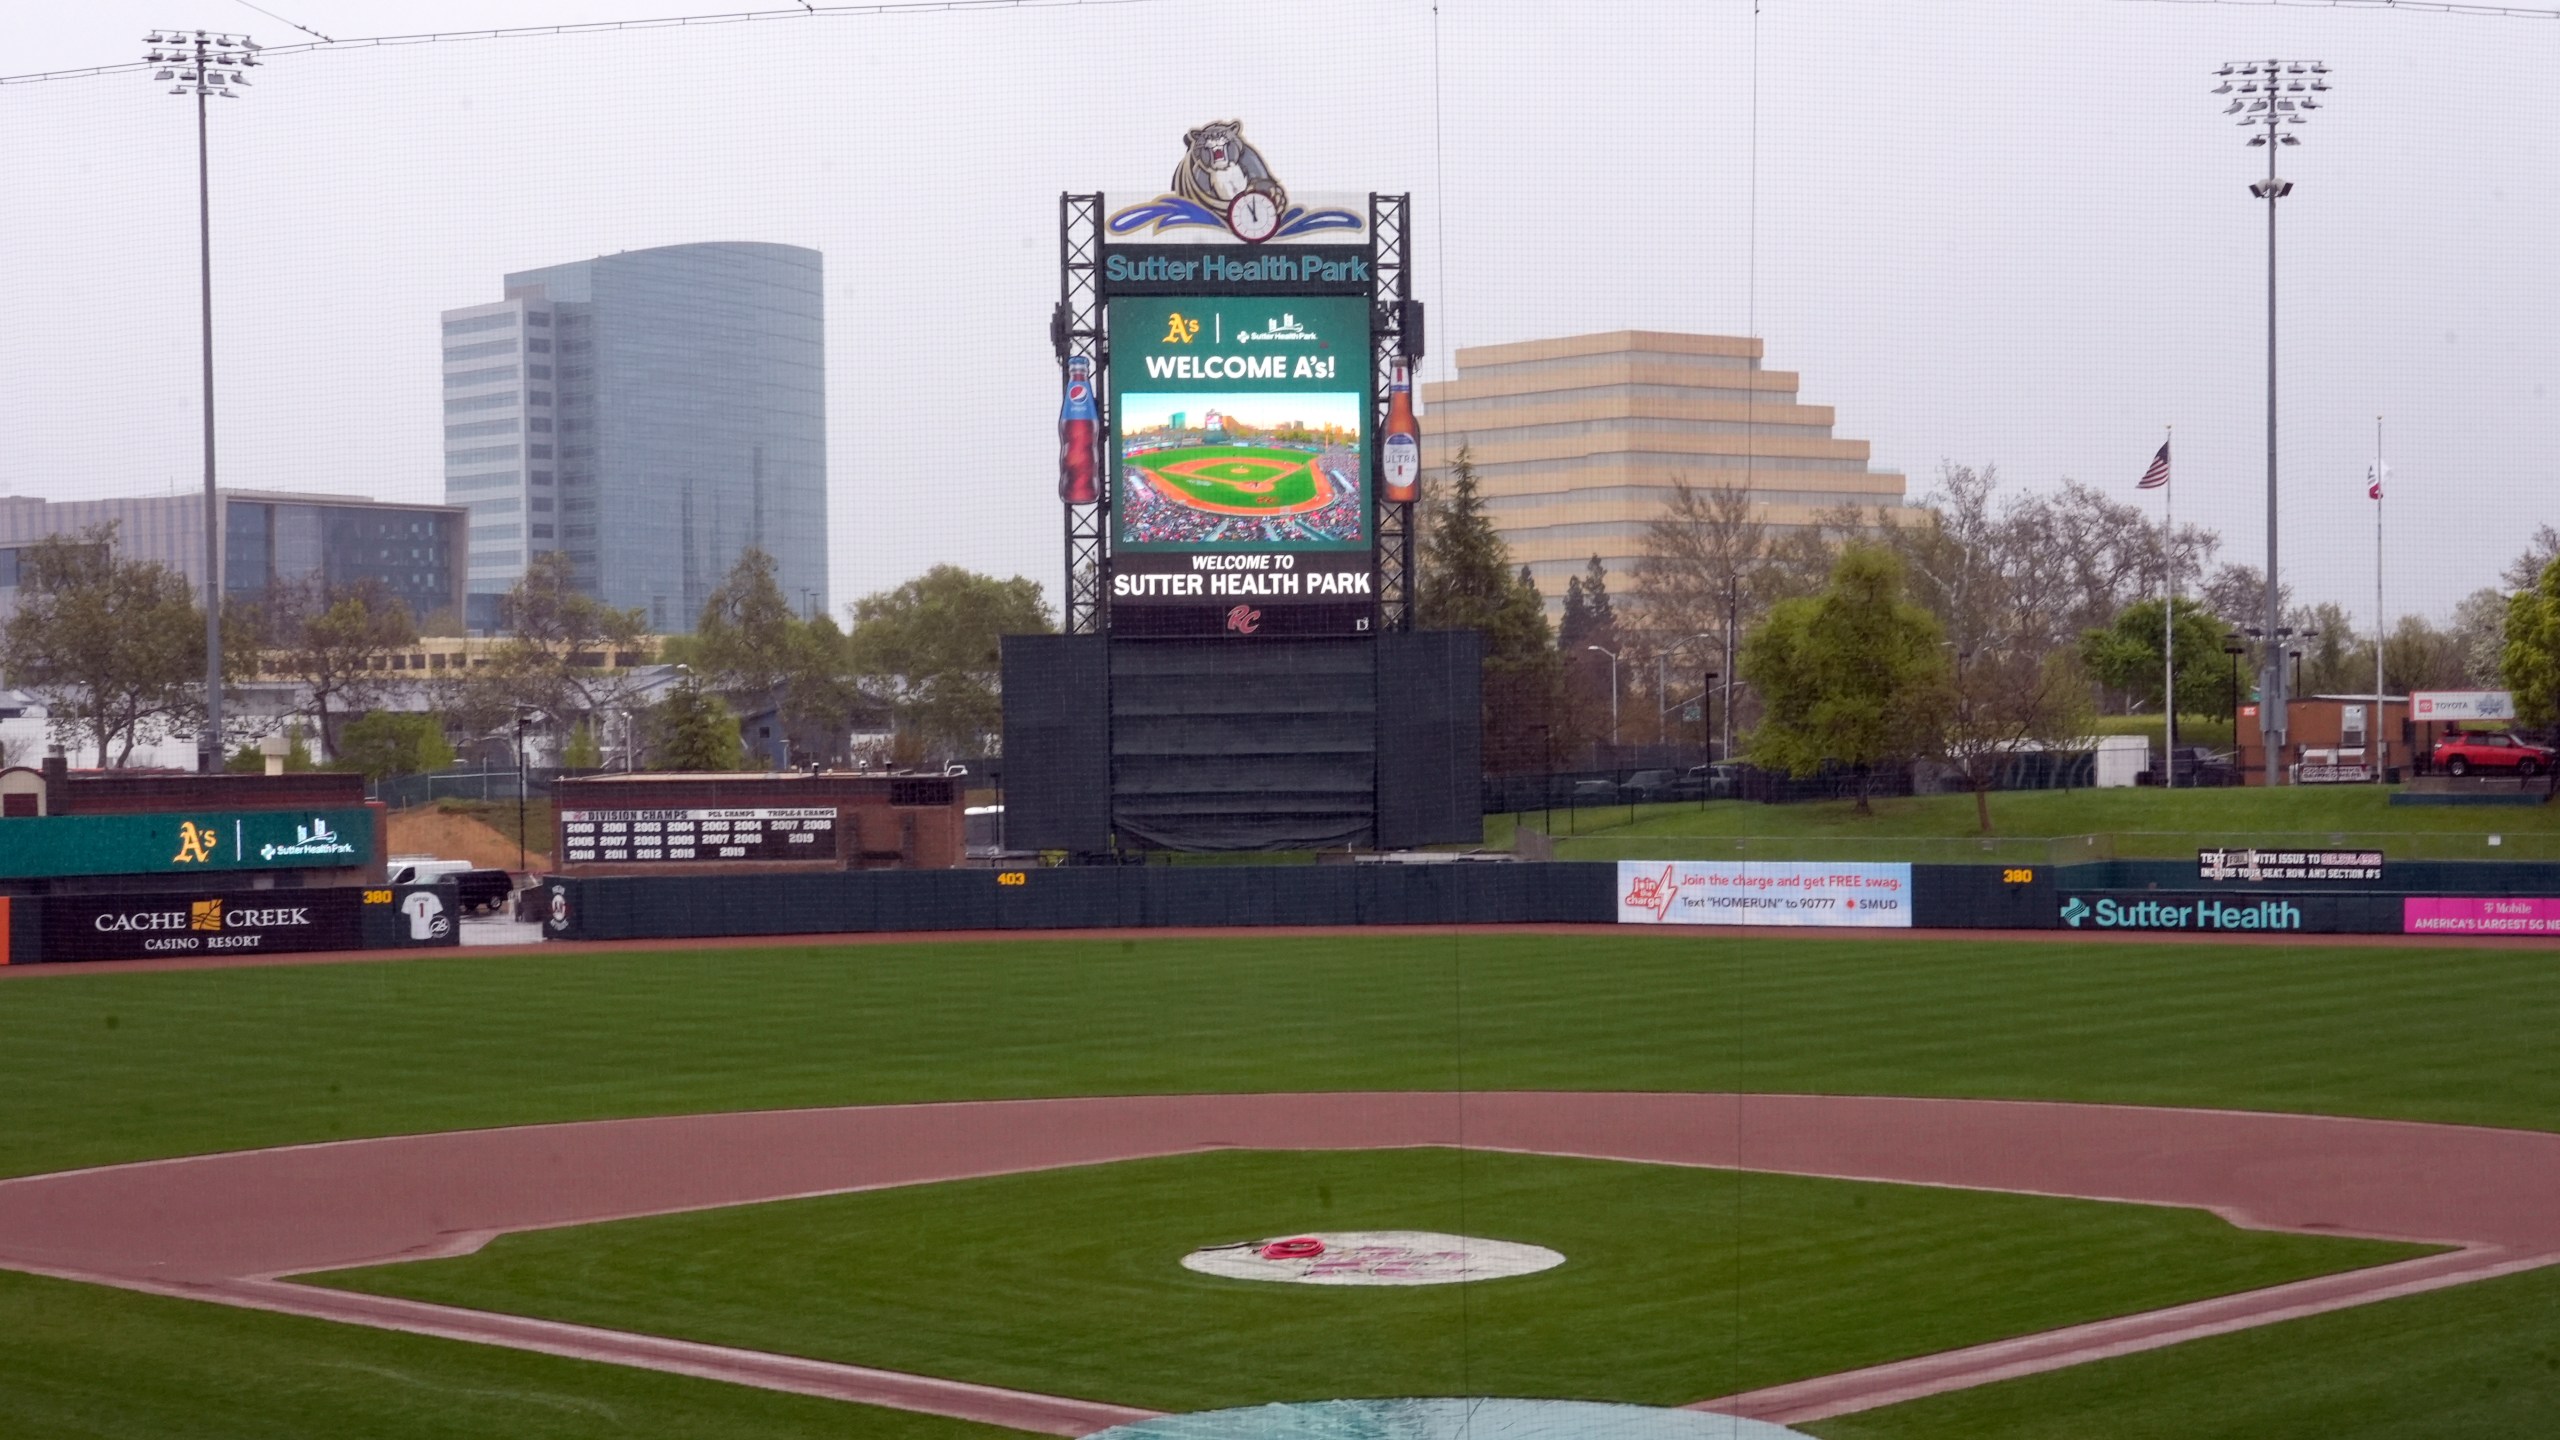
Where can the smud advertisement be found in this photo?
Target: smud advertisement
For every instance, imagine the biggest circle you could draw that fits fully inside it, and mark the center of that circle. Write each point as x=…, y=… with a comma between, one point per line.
x=1767, y=892
x=1240, y=439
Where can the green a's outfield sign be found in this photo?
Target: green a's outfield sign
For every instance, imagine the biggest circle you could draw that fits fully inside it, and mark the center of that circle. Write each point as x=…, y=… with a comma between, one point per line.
x=184, y=842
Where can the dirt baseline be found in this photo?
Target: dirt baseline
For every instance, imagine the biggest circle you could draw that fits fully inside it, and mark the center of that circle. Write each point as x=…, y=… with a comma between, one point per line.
x=225, y=1227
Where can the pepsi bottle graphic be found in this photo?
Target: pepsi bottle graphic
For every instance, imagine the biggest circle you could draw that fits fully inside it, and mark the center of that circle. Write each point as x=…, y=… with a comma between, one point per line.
x=1400, y=448
x=1079, y=437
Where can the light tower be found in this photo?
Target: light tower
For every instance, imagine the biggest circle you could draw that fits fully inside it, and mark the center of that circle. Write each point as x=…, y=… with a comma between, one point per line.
x=202, y=63
x=2273, y=94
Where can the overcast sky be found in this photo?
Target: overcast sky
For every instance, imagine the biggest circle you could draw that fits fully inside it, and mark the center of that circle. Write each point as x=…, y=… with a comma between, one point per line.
x=2013, y=232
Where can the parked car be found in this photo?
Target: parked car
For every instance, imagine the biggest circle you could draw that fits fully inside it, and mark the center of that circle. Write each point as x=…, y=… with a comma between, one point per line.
x=2196, y=767
x=2463, y=754
x=1595, y=792
x=1719, y=781
x=1649, y=785
x=474, y=889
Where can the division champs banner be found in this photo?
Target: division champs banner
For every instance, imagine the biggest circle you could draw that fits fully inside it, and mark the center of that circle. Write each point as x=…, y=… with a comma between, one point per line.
x=1765, y=892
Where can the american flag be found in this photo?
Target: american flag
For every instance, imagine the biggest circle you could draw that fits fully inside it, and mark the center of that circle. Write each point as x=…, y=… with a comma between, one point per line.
x=2158, y=474
x=2374, y=475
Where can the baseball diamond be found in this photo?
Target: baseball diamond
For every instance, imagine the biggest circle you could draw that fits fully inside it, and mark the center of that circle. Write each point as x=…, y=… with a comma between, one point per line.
x=1237, y=479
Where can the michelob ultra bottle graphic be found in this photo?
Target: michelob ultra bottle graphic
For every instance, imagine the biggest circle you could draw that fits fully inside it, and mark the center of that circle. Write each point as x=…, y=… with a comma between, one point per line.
x=1079, y=437
x=1400, y=449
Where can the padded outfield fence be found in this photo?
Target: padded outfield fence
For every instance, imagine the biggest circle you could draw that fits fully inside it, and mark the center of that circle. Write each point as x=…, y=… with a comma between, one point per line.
x=2030, y=896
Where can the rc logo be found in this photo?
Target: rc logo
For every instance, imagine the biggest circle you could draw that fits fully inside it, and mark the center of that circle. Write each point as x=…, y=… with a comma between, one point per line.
x=1244, y=619
x=2074, y=910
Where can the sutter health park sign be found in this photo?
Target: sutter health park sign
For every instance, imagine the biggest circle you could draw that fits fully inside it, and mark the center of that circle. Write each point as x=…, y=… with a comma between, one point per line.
x=184, y=843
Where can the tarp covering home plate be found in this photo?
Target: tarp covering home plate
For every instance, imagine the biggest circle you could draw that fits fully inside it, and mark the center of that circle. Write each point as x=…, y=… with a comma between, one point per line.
x=1450, y=1420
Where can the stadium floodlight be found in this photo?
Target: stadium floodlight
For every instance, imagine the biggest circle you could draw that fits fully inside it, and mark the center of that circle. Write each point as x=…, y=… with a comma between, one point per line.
x=206, y=65
x=2274, y=111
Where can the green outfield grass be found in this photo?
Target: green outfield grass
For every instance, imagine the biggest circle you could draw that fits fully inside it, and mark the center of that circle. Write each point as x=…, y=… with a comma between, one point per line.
x=81, y=1360
x=106, y=1066
x=2056, y=826
x=103, y=1067
x=1068, y=1282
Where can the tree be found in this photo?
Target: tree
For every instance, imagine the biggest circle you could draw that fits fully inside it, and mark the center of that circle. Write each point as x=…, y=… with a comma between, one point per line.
x=1856, y=675
x=2525, y=572
x=113, y=647
x=1467, y=583
x=558, y=657
x=1589, y=620
x=2003, y=702
x=2480, y=634
x=334, y=645
x=753, y=648
x=931, y=652
x=694, y=731
x=2125, y=657
x=385, y=743
x=2419, y=656
x=582, y=752
x=2531, y=662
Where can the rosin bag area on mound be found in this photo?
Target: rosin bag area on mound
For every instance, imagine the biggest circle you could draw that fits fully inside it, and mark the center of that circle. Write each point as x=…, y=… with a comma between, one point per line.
x=2209, y=896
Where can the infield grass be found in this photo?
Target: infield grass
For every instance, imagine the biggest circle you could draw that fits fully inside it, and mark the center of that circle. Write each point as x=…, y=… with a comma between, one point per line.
x=1679, y=1284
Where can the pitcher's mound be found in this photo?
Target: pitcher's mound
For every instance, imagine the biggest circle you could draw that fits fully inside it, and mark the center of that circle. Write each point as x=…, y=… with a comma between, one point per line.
x=1450, y=1420
x=1372, y=1257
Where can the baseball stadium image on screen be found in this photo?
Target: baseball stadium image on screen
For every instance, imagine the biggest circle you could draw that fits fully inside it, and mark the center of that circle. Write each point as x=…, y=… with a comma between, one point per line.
x=1243, y=469
x=1240, y=425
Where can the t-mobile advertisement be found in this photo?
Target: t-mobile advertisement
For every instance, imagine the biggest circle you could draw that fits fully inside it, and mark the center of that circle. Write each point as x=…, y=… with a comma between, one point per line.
x=2472, y=915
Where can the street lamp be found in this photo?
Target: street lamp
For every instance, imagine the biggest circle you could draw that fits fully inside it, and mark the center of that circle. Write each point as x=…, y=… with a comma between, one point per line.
x=1662, y=685
x=2235, y=647
x=201, y=63
x=1613, y=699
x=524, y=721
x=2273, y=94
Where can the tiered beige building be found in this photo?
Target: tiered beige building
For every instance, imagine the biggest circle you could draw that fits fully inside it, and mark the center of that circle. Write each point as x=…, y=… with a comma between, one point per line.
x=1576, y=442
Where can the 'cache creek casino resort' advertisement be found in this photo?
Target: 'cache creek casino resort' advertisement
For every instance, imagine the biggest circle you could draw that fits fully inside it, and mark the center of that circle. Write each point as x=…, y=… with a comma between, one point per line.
x=1241, y=450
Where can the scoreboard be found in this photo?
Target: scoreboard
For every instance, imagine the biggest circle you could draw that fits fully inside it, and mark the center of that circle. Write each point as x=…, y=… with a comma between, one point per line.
x=611, y=837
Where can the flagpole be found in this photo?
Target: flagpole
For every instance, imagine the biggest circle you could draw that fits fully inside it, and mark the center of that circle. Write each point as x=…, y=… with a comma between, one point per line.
x=2169, y=619
x=2381, y=747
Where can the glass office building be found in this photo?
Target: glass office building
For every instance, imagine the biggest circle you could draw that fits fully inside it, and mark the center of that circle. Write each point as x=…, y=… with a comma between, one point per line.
x=651, y=415
x=269, y=538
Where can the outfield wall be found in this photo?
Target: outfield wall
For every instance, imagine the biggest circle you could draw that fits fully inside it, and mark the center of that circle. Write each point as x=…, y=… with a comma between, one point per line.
x=226, y=918
x=2420, y=897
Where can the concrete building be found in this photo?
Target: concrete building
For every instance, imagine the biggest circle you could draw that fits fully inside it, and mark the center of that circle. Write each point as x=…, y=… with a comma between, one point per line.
x=1576, y=442
x=651, y=414
x=269, y=538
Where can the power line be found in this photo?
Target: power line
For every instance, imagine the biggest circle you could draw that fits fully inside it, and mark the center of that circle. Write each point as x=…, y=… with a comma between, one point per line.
x=2440, y=7
x=287, y=20
x=801, y=11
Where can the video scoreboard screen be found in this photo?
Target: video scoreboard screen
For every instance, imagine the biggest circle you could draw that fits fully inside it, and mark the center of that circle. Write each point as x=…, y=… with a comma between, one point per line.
x=1240, y=457
x=612, y=837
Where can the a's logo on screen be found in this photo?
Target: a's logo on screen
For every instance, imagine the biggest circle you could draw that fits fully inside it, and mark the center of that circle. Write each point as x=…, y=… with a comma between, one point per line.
x=1180, y=330
x=1244, y=619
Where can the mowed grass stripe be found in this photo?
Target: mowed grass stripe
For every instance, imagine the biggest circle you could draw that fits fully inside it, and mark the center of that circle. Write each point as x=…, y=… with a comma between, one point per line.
x=82, y=1360
x=1678, y=1283
x=2479, y=1362
x=106, y=1067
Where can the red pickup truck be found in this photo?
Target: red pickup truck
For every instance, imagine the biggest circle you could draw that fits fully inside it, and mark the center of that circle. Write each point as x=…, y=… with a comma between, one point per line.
x=2463, y=754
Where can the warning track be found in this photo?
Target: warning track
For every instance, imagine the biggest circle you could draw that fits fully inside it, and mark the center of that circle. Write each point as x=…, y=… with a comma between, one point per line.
x=225, y=1228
